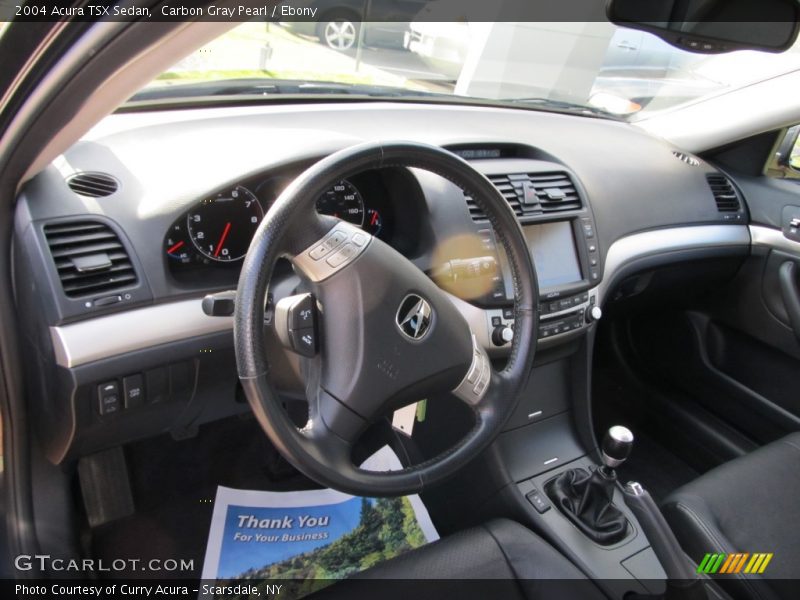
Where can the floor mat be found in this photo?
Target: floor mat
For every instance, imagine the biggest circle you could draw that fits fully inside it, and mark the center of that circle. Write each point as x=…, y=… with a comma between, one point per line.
x=173, y=485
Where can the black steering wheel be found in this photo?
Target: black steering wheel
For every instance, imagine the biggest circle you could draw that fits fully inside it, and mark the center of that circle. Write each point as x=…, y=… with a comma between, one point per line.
x=387, y=335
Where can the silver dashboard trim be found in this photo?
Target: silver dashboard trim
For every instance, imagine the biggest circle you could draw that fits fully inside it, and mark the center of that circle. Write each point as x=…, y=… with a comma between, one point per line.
x=86, y=341
x=658, y=241
x=112, y=335
x=773, y=238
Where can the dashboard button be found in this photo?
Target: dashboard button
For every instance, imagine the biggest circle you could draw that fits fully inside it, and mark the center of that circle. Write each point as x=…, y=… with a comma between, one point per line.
x=538, y=501
x=133, y=390
x=108, y=398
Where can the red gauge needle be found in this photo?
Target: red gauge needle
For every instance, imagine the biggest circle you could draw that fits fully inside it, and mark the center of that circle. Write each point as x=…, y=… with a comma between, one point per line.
x=175, y=247
x=222, y=238
x=374, y=219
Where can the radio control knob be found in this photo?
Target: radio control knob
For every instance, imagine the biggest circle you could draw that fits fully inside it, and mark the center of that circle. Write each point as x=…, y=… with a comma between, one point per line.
x=502, y=335
x=595, y=313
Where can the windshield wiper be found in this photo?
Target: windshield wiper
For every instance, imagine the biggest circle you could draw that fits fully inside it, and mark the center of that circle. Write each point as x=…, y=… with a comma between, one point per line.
x=563, y=106
x=255, y=87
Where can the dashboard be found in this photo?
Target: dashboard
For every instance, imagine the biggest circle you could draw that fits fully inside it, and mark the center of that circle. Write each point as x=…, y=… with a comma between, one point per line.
x=123, y=236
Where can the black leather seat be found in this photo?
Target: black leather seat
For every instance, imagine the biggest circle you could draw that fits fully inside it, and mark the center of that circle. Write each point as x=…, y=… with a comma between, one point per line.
x=500, y=559
x=751, y=504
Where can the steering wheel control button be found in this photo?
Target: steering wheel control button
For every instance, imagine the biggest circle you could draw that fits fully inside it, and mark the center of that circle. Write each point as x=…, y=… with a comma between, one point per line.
x=133, y=390
x=108, y=402
x=301, y=313
x=343, y=255
x=296, y=323
x=474, y=370
x=475, y=383
x=340, y=246
x=330, y=243
x=304, y=341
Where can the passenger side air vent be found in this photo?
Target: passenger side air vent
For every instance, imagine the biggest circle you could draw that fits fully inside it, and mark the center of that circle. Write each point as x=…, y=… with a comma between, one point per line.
x=93, y=185
x=89, y=257
x=724, y=193
x=532, y=193
x=687, y=158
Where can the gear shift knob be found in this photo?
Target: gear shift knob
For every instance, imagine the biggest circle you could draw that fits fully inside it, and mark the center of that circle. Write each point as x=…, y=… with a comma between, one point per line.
x=616, y=446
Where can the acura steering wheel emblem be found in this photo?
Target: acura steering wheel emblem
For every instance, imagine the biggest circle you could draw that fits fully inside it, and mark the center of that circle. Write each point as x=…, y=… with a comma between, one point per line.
x=414, y=317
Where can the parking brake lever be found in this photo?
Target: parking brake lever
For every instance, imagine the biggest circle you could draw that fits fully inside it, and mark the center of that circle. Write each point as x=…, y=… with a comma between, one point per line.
x=682, y=581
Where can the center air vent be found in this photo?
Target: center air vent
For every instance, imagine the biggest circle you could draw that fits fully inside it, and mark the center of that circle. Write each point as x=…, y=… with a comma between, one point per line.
x=89, y=257
x=724, y=193
x=93, y=185
x=532, y=193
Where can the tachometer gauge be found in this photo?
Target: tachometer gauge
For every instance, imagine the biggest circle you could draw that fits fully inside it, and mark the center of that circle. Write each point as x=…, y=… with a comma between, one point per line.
x=221, y=227
x=343, y=201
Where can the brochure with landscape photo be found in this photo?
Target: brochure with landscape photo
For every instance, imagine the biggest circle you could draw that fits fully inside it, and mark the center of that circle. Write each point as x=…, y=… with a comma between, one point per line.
x=305, y=540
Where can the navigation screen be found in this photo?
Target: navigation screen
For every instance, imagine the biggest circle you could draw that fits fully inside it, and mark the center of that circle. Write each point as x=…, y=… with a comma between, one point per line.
x=554, y=254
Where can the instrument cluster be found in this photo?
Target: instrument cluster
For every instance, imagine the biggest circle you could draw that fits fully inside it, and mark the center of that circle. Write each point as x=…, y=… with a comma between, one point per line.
x=215, y=233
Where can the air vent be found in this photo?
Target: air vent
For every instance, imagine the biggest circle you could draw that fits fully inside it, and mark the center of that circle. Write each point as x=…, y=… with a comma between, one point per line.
x=724, y=193
x=93, y=185
x=687, y=158
x=532, y=193
x=89, y=257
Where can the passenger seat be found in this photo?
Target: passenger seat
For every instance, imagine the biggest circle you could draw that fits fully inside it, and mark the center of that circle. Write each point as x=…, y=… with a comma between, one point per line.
x=749, y=505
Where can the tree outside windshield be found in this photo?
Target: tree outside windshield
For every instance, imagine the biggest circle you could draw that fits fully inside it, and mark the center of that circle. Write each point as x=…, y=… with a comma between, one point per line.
x=597, y=65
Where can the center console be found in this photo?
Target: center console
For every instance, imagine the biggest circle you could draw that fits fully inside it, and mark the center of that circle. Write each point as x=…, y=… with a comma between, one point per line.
x=567, y=261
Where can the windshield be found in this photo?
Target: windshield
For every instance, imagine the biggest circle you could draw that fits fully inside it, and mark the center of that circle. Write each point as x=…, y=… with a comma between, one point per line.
x=593, y=67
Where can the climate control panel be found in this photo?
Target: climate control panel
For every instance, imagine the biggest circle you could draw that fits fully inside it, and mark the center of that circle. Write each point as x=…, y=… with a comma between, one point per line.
x=556, y=317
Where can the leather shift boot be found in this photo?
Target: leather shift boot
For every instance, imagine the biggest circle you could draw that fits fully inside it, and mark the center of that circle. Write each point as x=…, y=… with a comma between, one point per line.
x=586, y=500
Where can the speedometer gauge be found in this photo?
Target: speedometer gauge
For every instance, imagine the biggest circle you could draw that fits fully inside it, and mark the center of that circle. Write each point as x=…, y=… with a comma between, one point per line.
x=222, y=226
x=343, y=201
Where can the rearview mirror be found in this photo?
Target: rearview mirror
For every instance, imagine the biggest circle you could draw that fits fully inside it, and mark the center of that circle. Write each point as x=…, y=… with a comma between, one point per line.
x=712, y=26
